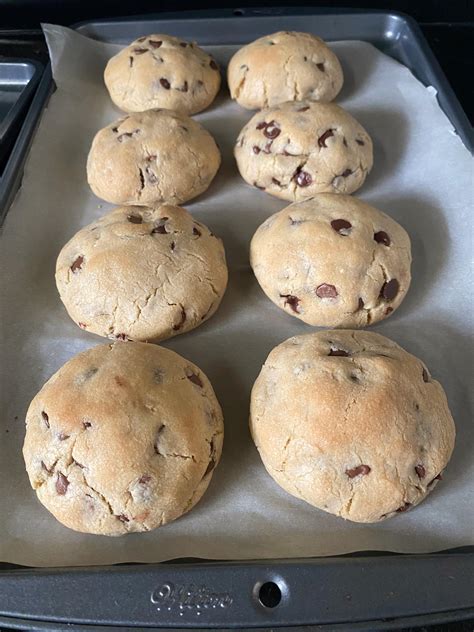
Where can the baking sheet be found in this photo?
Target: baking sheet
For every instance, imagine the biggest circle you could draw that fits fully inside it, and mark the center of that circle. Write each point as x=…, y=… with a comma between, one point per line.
x=422, y=177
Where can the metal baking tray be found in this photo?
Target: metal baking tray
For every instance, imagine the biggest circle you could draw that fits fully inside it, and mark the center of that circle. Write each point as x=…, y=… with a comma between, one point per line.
x=19, y=79
x=363, y=591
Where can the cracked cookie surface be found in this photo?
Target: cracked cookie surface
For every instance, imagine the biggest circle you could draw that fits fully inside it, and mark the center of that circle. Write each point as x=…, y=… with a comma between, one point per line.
x=351, y=423
x=152, y=157
x=295, y=150
x=124, y=437
x=142, y=273
x=284, y=66
x=333, y=261
x=161, y=71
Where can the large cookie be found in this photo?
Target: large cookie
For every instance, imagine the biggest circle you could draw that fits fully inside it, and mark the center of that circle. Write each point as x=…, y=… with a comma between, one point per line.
x=333, y=261
x=161, y=71
x=351, y=423
x=142, y=274
x=152, y=157
x=285, y=66
x=295, y=150
x=124, y=437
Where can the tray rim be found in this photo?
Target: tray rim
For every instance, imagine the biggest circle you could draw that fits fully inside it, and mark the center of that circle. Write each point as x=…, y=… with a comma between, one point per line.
x=467, y=553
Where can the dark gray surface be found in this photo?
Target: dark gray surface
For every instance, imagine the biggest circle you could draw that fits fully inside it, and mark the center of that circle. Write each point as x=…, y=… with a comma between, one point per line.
x=370, y=592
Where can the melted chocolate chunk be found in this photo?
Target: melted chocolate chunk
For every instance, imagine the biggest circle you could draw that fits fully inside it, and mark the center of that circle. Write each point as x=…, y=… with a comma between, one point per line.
x=346, y=173
x=381, y=237
x=155, y=43
x=181, y=321
x=341, y=226
x=123, y=518
x=323, y=138
x=195, y=379
x=272, y=130
x=86, y=424
x=361, y=304
x=135, y=219
x=359, y=142
x=213, y=65
x=320, y=67
x=292, y=301
x=302, y=178
x=139, y=51
x=404, y=507
x=390, y=289
x=77, y=265
x=165, y=83
x=358, y=471
x=420, y=470
x=45, y=418
x=61, y=484
x=160, y=228
x=333, y=351
x=256, y=150
x=326, y=291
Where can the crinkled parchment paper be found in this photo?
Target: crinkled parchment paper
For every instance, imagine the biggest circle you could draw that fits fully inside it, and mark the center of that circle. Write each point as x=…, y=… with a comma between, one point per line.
x=422, y=177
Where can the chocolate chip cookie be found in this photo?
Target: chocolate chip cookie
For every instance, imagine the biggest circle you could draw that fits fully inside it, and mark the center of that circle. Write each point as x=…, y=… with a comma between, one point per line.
x=161, y=71
x=295, y=150
x=152, y=157
x=351, y=423
x=285, y=66
x=124, y=437
x=142, y=274
x=333, y=261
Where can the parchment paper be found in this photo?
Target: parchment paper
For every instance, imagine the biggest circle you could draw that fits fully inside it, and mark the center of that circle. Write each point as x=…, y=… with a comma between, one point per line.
x=422, y=177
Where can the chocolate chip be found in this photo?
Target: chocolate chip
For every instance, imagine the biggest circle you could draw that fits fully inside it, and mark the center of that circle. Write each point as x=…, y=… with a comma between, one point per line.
x=135, y=219
x=341, y=226
x=184, y=89
x=404, y=507
x=182, y=320
x=151, y=176
x=256, y=150
x=157, y=439
x=183, y=44
x=388, y=311
x=302, y=178
x=160, y=227
x=121, y=337
x=144, y=479
x=61, y=484
x=326, y=291
x=82, y=325
x=360, y=142
x=141, y=39
x=267, y=148
x=305, y=58
x=277, y=182
x=292, y=301
x=135, y=132
x=139, y=51
x=165, y=83
x=77, y=265
x=420, y=470
x=306, y=107
x=346, y=173
x=272, y=130
x=63, y=437
x=45, y=417
x=439, y=477
x=390, y=289
x=323, y=138
x=142, y=178
x=195, y=379
x=360, y=304
x=115, y=129
x=426, y=377
x=382, y=238
x=47, y=469
x=334, y=351
x=354, y=377
x=320, y=67
x=199, y=83
x=172, y=245
x=196, y=231
x=130, y=63
x=123, y=518
x=213, y=65
x=262, y=125
x=86, y=424
x=358, y=471
x=344, y=141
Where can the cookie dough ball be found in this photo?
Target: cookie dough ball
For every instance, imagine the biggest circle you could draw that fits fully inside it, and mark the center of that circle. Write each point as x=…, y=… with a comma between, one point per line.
x=142, y=274
x=152, y=157
x=333, y=261
x=285, y=66
x=161, y=71
x=296, y=150
x=351, y=423
x=124, y=437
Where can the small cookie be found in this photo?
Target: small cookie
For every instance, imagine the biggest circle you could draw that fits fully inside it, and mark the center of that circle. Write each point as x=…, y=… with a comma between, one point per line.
x=285, y=66
x=124, y=437
x=296, y=150
x=142, y=274
x=161, y=71
x=152, y=157
x=333, y=261
x=351, y=423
